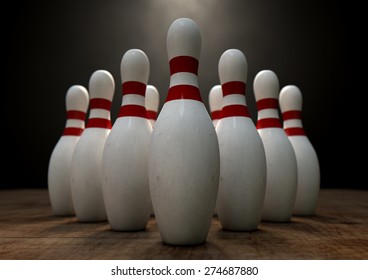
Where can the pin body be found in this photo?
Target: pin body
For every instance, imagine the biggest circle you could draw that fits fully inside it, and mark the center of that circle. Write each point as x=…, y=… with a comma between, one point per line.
x=242, y=156
x=280, y=157
x=184, y=153
x=86, y=175
x=77, y=100
x=125, y=157
x=152, y=103
x=307, y=161
x=215, y=103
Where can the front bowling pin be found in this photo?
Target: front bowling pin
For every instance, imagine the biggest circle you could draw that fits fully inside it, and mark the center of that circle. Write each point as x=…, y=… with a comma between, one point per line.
x=280, y=157
x=242, y=155
x=307, y=161
x=86, y=179
x=77, y=100
x=184, y=153
x=125, y=157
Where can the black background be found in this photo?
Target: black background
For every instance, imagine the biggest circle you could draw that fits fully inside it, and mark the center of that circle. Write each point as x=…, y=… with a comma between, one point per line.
x=50, y=45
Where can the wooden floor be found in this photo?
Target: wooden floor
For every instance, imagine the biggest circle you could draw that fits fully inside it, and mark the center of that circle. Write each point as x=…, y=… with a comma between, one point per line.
x=28, y=230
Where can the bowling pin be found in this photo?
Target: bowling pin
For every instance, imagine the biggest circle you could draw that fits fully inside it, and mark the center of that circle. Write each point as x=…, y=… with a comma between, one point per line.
x=77, y=100
x=184, y=153
x=290, y=101
x=125, y=156
x=152, y=103
x=86, y=180
x=215, y=106
x=242, y=156
x=280, y=157
x=215, y=103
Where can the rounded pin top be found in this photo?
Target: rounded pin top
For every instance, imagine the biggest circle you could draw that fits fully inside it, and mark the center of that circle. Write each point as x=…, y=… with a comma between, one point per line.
x=183, y=39
x=215, y=98
x=77, y=98
x=135, y=66
x=101, y=85
x=290, y=98
x=233, y=66
x=152, y=98
x=266, y=85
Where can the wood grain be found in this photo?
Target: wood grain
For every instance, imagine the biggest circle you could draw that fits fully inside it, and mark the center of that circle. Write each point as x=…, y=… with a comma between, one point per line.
x=338, y=231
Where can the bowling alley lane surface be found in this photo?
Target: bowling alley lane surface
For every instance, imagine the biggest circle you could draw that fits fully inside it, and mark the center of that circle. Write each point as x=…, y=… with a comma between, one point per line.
x=29, y=231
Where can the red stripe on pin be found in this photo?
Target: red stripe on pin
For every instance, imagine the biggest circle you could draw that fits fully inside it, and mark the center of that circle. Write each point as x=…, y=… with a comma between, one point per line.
x=293, y=114
x=152, y=115
x=183, y=92
x=216, y=115
x=268, y=123
x=99, y=123
x=133, y=87
x=234, y=87
x=132, y=111
x=267, y=103
x=100, y=103
x=75, y=115
x=235, y=111
x=294, y=131
x=72, y=131
x=183, y=64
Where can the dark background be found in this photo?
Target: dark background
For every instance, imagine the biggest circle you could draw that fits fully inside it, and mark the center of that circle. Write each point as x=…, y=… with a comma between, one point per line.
x=50, y=45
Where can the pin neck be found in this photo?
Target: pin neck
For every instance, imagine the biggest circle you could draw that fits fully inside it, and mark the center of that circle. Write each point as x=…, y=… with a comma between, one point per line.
x=234, y=100
x=292, y=122
x=75, y=115
x=133, y=87
x=100, y=103
x=234, y=87
x=183, y=79
x=267, y=103
x=99, y=114
x=267, y=113
x=183, y=64
x=292, y=114
x=133, y=100
x=75, y=123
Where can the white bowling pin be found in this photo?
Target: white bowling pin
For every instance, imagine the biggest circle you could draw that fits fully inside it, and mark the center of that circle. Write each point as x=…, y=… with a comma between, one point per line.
x=125, y=157
x=215, y=106
x=77, y=100
x=242, y=156
x=152, y=103
x=86, y=180
x=184, y=154
x=215, y=103
x=280, y=157
x=290, y=101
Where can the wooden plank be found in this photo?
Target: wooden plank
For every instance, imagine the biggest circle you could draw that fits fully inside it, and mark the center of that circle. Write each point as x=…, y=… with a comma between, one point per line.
x=28, y=230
